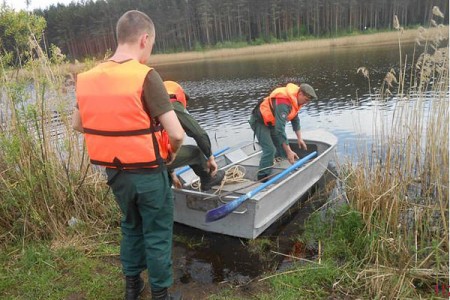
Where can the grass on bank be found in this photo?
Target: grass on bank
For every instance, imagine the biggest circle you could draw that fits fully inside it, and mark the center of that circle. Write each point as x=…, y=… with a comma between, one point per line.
x=62, y=270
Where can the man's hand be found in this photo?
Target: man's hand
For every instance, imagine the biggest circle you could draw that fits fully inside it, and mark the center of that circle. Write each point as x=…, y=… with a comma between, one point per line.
x=76, y=120
x=212, y=166
x=292, y=157
x=302, y=144
x=170, y=158
x=175, y=180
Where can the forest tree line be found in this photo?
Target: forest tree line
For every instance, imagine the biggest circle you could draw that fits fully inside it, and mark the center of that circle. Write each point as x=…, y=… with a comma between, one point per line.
x=87, y=28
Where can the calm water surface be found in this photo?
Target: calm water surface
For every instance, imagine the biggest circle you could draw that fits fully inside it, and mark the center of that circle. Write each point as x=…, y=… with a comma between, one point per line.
x=224, y=91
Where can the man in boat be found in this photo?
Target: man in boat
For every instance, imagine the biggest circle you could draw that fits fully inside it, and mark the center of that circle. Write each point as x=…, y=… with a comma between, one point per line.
x=199, y=157
x=268, y=121
x=121, y=107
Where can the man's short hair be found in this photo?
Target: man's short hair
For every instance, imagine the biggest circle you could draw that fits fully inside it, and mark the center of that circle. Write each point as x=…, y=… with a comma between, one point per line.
x=131, y=25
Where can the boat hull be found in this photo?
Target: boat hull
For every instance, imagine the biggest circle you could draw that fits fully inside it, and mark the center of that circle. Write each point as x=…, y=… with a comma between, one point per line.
x=263, y=209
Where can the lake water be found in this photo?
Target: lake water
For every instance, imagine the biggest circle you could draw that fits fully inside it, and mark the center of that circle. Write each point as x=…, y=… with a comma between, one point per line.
x=224, y=91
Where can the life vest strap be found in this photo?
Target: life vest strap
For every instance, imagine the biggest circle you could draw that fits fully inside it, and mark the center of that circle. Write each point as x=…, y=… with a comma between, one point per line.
x=122, y=132
x=137, y=165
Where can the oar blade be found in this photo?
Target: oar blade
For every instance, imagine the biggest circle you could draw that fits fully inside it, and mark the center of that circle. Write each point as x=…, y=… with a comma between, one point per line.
x=224, y=210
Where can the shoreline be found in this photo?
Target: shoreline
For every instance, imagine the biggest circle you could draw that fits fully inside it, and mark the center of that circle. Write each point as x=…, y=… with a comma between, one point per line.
x=360, y=40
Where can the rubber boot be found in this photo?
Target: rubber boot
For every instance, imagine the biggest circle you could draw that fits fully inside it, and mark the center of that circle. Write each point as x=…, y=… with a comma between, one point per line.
x=163, y=294
x=134, y=285
x=263, y=178
x=206, y=183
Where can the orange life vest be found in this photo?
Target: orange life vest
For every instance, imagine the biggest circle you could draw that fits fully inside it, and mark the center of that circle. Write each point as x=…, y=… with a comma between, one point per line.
x=283, y=95
x=118, y=130
x=176, y=92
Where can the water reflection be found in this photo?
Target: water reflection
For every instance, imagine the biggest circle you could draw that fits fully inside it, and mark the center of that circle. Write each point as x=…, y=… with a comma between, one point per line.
x=223, y=92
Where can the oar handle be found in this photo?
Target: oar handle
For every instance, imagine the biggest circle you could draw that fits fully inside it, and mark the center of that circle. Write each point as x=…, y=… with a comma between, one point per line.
x=222, y=211
x=187, y=168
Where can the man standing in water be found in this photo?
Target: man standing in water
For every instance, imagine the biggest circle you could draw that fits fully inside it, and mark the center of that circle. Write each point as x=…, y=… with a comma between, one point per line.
x=122, y=106
x=268, y=121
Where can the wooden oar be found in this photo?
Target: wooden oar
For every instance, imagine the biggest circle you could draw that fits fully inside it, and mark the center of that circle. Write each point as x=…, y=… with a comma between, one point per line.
x=223, y=210
x=187, y=168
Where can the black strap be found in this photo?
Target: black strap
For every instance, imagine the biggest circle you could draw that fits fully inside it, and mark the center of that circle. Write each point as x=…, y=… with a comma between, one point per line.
x=150, y=130
x=116, y=164
x=272, y=104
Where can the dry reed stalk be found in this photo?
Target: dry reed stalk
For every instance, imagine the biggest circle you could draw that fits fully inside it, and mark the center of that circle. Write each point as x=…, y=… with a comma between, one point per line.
x=401, y=186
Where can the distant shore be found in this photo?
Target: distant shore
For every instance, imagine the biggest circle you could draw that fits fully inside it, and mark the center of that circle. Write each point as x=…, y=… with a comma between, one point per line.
x=360, y=40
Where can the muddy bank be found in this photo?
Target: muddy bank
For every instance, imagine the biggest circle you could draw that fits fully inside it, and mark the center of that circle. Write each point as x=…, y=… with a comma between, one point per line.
x=361, y=40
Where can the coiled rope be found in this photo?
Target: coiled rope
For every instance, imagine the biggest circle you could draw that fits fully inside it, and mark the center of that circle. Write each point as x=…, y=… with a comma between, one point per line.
x=235, y=174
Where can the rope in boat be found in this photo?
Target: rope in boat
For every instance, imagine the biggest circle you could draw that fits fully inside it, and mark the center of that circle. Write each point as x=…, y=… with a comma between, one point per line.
x=235, y=174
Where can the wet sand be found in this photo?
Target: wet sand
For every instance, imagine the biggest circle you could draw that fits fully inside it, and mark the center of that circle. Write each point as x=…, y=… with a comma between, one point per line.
x=360, y=40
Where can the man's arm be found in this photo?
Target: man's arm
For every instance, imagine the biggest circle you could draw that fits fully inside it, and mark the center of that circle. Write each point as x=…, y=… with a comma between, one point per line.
x=76, y=120
x=158, y=105
x=281, y=113
x=174, y=130
x=195, y=131
x=300, y=141
x=296, y=127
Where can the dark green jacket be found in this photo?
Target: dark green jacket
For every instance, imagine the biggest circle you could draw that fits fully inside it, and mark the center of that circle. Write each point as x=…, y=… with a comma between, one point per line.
x=193, y=129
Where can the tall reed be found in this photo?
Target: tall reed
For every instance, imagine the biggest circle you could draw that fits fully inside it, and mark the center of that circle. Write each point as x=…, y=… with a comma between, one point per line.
x=45, y=177
x=400, y=184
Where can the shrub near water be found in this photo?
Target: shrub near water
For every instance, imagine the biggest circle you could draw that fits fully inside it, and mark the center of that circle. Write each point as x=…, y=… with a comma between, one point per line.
x=45, y=180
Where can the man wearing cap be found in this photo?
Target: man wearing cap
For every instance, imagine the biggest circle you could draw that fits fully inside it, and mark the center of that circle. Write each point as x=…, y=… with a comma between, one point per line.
x=268, y=121
x=199, y=157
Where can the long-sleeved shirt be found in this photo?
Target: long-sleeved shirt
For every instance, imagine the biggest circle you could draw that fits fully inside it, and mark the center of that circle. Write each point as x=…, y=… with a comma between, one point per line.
x=193, y=129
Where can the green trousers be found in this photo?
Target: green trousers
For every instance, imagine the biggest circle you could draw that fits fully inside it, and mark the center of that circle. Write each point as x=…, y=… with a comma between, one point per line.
x=146, y=202
x=265, y=136
x=191, y=155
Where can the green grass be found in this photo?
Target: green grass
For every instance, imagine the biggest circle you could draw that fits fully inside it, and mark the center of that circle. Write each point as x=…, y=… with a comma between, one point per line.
x=41, y=271
x=341, y=233
x=310, y=282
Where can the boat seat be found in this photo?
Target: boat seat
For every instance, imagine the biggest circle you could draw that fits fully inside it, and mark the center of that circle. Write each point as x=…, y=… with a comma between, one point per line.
x=236, y=155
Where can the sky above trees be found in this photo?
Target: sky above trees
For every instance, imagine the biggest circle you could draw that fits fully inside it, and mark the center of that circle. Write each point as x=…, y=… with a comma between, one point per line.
x=34, y=4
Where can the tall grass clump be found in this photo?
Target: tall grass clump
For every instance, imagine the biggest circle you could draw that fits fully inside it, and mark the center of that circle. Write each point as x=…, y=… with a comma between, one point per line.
x=47, y=187
x=400, y=184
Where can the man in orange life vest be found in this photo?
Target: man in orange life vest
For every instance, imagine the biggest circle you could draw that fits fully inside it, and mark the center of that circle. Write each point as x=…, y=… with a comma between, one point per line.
x=268, y=121
x=121, y=105
x=199, y=158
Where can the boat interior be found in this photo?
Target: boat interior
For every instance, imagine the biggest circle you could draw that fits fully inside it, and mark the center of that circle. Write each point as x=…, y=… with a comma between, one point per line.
x=241, y=166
